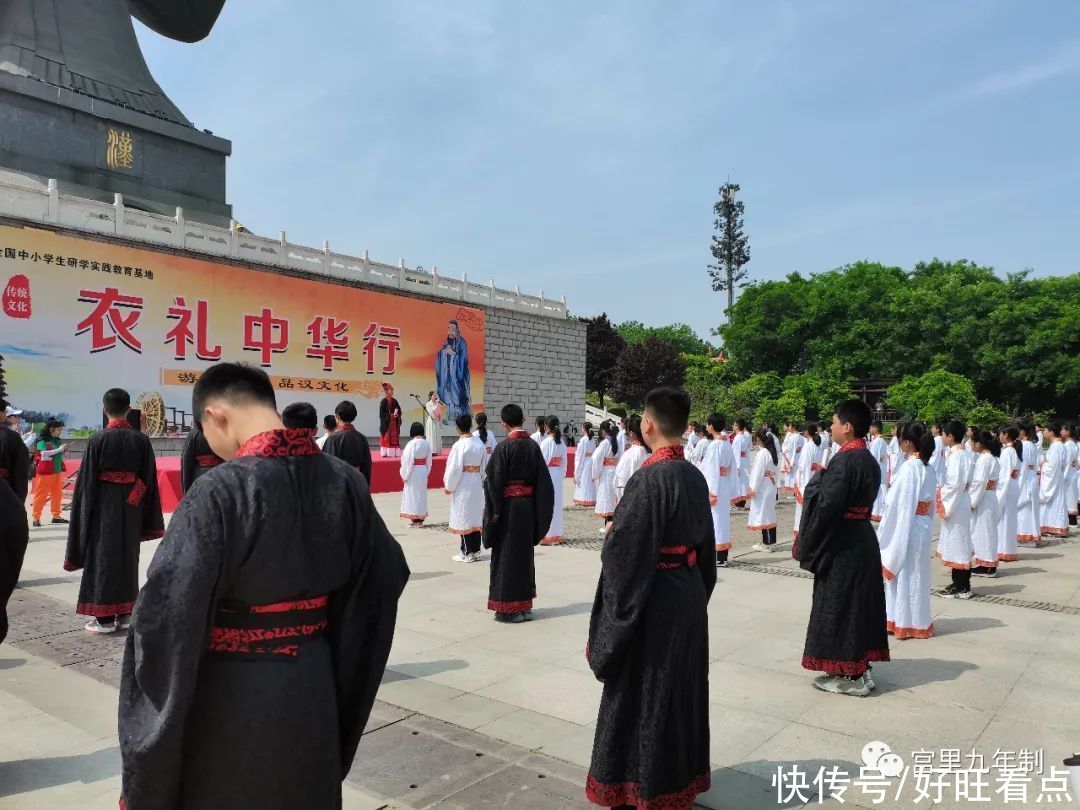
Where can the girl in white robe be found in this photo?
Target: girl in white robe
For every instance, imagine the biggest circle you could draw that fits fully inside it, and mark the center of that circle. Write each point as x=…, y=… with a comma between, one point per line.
x=1072, y=476
x=894, y=453
x=415, y=469
x=790, y=450
x=984, y=505
x=555, y=456
x=701, y=447
x=486, y=437
x=604, y=461
x=809, y=463
x=720, y=471
x=463, y=482
x=1010, y=465
x=763, y=491
x=1053, y=499
x=955, y=548
x=1027, y=511
x=740, y=446
x=584, y=483
x=880, y=451
x=633, y=456
x=937, y=461
x=904, y=536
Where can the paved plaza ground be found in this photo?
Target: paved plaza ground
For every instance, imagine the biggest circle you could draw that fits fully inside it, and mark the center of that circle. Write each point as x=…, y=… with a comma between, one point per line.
x=472, y=713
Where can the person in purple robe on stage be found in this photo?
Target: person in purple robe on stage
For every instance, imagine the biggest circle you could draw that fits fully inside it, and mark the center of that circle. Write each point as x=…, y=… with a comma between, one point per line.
x=452, y=379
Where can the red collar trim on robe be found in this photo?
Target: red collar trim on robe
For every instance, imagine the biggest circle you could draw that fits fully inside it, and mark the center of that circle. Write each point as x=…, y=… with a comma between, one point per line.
x=665, y=454
x=280, y=443
x=854, y=444
x=346, y=426
x=518, y=434
x=117, y=424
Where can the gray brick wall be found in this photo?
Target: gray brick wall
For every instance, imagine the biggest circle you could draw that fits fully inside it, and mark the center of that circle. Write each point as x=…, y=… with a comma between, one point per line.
x=537, y=363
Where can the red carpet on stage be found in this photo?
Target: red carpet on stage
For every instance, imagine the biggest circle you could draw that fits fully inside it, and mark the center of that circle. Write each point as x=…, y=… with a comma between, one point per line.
x=385, y=476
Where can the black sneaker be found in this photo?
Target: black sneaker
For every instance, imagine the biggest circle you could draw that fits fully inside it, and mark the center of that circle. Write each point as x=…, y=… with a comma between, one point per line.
x=37, y=524
x=58, y=520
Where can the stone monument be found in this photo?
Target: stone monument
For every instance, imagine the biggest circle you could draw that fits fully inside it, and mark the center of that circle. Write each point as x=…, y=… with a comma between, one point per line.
x=78, y=104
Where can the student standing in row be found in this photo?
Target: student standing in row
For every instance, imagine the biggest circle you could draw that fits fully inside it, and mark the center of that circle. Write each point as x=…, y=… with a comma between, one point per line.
x=584, y=483
x=554, y=452
x=486, y=436
x=1072, y=475
x=632, y=459
x=697, y=457
x=347, y=443
x=955, y=547
x=462, y=481
x=541, y=429
x=740, y=446
x=196, y=459
x=984, y=504
x=904, y=536
x=415, y=470
x=1010, y=464
x=1027, y=513
x=809, y=463
x=720, y=471
x=1053, y=487
x=329, y=426
x=763, y=491
x=880, y=451
x=604, y=462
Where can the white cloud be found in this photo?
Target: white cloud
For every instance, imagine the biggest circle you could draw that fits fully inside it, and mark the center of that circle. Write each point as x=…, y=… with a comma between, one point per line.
x=1062, y=62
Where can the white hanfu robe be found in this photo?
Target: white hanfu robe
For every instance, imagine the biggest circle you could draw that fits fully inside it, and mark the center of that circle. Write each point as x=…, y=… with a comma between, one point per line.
x=604, y=462
x=740, y=446
x=895, y=458
x=621, y=439
x=697, y=455
x=463, y=482
x=489, y=445
x=719, y=468
x=1008, y=492
x=762, y=492
x=937, y=459
x=955, y=548
x=788, y=461
x=984, y=517
x=537, y=436
x=880, y=451
x=1053, y=505
x=415, y=469
x=1027, y=511
x=584, y=485
x=828, y=450
x=433, y=426
x=692, y=440
x=555, y=457
x=904, y=537
x=1072, y=477
x=629, y=464
x=809, y=463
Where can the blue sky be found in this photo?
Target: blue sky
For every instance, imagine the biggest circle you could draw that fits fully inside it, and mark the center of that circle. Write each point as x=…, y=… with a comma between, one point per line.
x=577, y=147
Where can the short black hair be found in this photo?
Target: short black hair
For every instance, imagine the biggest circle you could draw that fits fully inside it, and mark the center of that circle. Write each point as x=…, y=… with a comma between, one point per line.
x=300, y=415
x=701, y=429
x=464, y=423
x=669, y=408
x=345, y=411
x=1055, y=428
x=117, y=402
x=238, y=383
x=329, y=422
x=512, y=415
x=742, y=423
x=416, y=429
x=717, y=421
x=856, y=413
x=876, y=423
x=956, y=429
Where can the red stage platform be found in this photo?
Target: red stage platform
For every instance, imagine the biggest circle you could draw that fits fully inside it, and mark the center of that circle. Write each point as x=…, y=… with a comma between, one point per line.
x=385, y=476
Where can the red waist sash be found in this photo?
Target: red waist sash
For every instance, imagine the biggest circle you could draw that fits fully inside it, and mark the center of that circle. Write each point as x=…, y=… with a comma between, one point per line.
x=207, y=461
x=611, y=462
x=676, y=557
x=117, y=477
x=517, y=489
x=420, y=462
x=991, y=486
x=469, y=468
x=555, y=462
x=816, y=467
x=923, y=508
x=1014, y=474
x=857, y=513
x=275, y=631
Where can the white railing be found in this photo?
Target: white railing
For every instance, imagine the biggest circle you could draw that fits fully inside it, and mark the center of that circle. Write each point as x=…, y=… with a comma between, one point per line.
x=50, y=206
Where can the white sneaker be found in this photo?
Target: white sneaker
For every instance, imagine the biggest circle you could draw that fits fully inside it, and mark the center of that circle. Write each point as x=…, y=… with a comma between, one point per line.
x=839, y=685
x=762, y=547
x=99, y=629
x=461, y=558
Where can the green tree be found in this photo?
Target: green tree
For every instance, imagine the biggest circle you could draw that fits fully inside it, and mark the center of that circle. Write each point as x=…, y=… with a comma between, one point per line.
x=821, y=387
x=790, y=406
x=986, y=416
x=747, y=395
x=644, y=366
x=602, y=348
x=680, y=335
x=709, y=385
x=932, y=397
x=768, y=329
x=730, y=245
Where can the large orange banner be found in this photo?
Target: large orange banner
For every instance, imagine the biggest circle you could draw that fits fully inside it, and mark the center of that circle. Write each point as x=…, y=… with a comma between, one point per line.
x=81, y=316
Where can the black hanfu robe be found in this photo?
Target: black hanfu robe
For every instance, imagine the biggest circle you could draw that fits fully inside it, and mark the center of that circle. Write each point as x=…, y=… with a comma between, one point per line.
x=351, y=446
x=519, y=500
x=196, y=459
x=116, y=506
x=837, y=543
x=649, y=641
x=14, y=531
x=261, y=636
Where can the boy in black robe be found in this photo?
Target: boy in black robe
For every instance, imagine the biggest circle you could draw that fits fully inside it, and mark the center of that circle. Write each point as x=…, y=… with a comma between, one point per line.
x=347, y=443
x=196, y=459
x=838, y=544
x=14, y=530
x=262, y=633
x=649, y=632
x=116, y=506
x=519, y=502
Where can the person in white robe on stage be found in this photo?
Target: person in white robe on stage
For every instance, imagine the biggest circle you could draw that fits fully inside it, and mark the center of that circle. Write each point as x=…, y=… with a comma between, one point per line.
x=984, y=505
x=584, y=484
x=415, y=469
x=880, y=451
x=809, y=464
x=554, y=451
x=763, y=474
x=1010, y=466
x=634, y=456
x=463, y=481
x=1027, y=505
x=604, y=461
x=1072, y=475
x=904, y=535
x=955, y=548
x=720, y=471
x=433, y=422
x=740, y=446
x=486, y=437
x=1053, y=494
